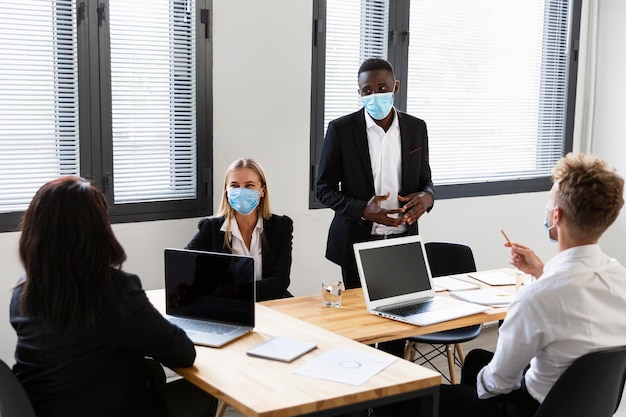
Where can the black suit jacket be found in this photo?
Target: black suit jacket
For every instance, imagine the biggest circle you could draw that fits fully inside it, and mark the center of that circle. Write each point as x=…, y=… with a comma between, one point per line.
x=345, y=181
x=100, y=370
x=275, y=252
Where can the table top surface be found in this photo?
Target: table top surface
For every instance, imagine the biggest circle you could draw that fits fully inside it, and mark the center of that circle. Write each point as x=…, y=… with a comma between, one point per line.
x=353, y=321
x=263, y=388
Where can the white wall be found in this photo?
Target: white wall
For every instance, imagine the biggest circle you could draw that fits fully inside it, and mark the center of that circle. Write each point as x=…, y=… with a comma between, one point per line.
x=262, y=69
x=608, y=111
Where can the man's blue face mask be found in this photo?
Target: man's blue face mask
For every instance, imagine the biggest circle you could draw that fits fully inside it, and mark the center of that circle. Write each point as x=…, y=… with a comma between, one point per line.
x=378, y=105
x=243, y=200
x=548, y=228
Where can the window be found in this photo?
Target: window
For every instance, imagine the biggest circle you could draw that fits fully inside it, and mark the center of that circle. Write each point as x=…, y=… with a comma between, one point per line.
x=109, y=90
x=495, y=83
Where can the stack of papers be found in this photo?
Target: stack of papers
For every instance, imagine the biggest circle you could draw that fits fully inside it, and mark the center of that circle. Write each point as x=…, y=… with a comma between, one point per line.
x=494, y=297
x=453, y=284
x=502, y=276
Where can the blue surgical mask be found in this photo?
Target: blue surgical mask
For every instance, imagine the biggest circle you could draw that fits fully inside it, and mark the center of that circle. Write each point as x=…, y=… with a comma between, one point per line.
x=378, y=105
x=243, y=200
x=548, y=228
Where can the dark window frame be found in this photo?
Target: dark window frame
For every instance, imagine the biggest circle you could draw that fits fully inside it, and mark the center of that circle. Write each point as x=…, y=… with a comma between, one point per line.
x=96, y=142
x=398, y=56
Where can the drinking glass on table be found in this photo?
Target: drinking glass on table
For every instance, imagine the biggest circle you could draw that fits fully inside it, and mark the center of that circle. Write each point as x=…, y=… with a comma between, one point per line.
x=331, y=293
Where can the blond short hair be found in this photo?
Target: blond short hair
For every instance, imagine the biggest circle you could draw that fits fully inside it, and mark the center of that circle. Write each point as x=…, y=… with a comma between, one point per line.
x=589, y=192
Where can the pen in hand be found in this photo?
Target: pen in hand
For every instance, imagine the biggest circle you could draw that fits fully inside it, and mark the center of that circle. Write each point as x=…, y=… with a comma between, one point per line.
x=505, y=236
x=519, y=275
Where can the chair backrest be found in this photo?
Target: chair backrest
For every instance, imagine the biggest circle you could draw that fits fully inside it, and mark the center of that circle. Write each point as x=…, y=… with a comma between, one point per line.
x=591, y=387
x=14, y=401
x=446, y=258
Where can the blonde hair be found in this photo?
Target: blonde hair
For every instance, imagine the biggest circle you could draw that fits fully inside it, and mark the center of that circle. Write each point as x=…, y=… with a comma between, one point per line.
x=227, y=211
x=590, y=194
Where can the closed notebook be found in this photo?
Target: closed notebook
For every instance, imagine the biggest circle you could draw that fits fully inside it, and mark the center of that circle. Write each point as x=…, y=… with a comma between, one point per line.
x=282, y=349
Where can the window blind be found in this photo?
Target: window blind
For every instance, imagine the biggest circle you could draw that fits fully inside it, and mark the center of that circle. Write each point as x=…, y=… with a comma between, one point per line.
x=490, y=78
x=356, y=30
x=153, y=100
x=38, y=98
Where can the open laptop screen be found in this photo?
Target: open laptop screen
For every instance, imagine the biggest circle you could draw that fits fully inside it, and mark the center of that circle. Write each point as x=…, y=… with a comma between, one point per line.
x=210, y=286
x=392, y=268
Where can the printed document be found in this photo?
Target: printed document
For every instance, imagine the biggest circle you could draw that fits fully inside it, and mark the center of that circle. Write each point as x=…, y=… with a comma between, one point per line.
x=346, y=366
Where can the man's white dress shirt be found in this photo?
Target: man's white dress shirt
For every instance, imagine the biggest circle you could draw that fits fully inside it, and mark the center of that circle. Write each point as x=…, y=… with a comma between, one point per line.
x=577, y=306
x=386, y=159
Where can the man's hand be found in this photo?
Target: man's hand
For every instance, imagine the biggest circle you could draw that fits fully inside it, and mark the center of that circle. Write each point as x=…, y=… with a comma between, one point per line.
x=375, y=213
x=525, y=259
x=415, y=205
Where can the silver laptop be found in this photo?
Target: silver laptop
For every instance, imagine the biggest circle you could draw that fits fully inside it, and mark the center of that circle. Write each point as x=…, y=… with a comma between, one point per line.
x=397, y=283
x=210, y=295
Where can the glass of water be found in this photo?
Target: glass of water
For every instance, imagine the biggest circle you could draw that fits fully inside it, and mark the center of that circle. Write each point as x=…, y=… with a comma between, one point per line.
x=521, y=279
x=331, y=293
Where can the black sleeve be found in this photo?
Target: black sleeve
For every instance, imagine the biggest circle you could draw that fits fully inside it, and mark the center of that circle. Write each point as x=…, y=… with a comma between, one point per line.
x=331, y=174
x=209, y=237
x=276, y=276
x=146, y=331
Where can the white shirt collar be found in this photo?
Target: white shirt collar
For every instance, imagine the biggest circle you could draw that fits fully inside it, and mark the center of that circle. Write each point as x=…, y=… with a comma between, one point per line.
x=234, y=226
x=370, y=122
x=239, y=247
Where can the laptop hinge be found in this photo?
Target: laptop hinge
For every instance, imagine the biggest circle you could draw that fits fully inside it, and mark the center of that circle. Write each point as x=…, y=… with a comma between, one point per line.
x=404, y=304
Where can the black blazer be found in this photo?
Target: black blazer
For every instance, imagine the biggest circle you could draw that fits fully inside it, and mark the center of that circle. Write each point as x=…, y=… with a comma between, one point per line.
x=100, y=370
x=345, y=182
x=275, y=252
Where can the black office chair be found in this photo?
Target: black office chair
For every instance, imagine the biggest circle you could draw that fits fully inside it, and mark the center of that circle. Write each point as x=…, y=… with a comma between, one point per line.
x=14, y=401
x=591, y=387
x=445, y=259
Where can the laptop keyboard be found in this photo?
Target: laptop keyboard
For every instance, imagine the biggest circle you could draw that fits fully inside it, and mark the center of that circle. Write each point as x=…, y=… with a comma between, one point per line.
x=202, y=326
x=430, y=305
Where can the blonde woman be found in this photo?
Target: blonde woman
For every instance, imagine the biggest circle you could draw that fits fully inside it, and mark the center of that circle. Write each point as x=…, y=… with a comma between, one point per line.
x=245, y=225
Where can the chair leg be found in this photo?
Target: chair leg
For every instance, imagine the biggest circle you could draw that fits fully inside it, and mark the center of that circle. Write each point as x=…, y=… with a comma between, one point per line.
x=409, y=351
x=450, y=355
x=461, y=354
x=221, y=409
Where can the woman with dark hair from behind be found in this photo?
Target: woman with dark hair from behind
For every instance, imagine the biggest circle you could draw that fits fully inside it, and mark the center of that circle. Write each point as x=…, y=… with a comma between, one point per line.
x=83, y=325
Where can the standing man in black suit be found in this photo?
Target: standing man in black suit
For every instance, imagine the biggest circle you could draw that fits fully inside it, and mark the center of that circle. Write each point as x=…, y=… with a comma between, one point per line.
x=374, y=170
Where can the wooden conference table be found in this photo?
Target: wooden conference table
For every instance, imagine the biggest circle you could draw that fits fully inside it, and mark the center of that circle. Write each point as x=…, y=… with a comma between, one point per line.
x=265, y=388
x=353, y=321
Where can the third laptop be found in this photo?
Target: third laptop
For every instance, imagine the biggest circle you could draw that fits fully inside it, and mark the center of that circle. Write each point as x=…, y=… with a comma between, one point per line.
x=397, y=283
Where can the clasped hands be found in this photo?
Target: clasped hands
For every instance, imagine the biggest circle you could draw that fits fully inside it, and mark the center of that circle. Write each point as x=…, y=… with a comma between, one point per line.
x=415, y=204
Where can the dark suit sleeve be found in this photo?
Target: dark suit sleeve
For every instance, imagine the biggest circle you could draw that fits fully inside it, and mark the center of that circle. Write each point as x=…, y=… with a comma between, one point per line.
x=330, y=174
x=208, y=237
x=416, y=173
x=426, y=181
x=144, y=329
x=276, y=259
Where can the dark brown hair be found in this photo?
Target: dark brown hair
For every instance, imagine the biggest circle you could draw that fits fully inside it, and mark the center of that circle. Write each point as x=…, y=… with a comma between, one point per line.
x=67, y=248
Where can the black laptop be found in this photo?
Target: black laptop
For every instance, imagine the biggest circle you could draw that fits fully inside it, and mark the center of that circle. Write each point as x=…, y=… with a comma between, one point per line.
x=210, y=295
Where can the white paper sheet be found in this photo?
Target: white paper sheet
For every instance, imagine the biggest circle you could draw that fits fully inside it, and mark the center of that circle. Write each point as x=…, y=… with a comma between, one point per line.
x=346, y=366
x=495, y=297
x=502, y=276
